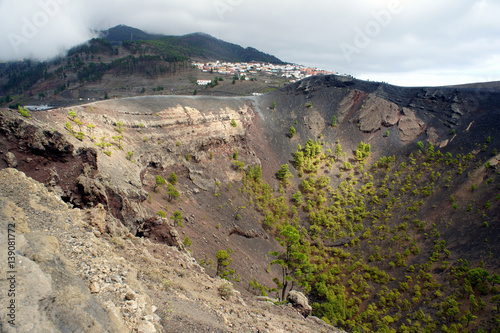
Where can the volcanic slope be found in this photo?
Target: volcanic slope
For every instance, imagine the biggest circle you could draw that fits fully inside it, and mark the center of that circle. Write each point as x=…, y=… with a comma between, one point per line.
x=385, y=199
x=395, y=197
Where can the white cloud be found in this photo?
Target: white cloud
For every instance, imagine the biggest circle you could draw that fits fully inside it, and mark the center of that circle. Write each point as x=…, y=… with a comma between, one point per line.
x=425, y=39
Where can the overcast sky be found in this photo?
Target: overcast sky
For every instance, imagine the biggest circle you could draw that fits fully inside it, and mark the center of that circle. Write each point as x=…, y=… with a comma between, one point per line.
x=402, y=42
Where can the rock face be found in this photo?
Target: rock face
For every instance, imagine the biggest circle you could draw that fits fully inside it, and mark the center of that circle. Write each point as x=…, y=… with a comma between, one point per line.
x=49, y=296
x=35, y=138
x=300, y=302
x=348, y=104
x=377, y=112
x=92, y=190
x=315, y=122
x=159, y=132
x=46, y=155
x=410, y=127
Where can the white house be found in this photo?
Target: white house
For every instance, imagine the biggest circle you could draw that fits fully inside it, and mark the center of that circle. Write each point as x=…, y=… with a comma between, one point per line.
x=203, y=82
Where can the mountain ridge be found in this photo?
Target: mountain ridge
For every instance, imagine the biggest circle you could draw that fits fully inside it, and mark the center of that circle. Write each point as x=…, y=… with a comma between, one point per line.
x=214, y=48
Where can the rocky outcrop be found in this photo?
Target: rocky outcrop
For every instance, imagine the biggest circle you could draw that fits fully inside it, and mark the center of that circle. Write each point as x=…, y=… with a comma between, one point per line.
x=328, y=81
x=92, y=191
x=410, y=127
x=159, y=230
x=10, y=159
x=103, y=222
x=200, y=178
x=494, y=162
x=49, y=294
x=348, y=104
x=300, y=302
x=377, y=112
x=50, y=143
x=434, y=138
x=315, y=122
x=252, y=233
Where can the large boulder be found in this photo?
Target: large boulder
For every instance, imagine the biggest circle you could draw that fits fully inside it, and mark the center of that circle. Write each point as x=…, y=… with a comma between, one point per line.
x=92, y=190
x=10, y=159
x=158, y=229
x=300, y=302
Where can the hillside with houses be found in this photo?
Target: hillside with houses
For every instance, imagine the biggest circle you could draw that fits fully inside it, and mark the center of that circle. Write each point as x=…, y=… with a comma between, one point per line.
x=293, y=72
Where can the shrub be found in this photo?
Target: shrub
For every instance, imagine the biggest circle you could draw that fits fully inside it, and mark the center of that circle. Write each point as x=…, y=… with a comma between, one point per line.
x=347, y=165
x=173, y=178
x=129, y=155
x=119, y=127
x=297, y=198
x=118, y=138
x=260, y=287
x=80, y=136
x=72, y=114
x=160, y=180
x=223, y=262
x=162, y=214
x=177, y=217
x=292, y=132
x=239, y=165
x=172, y=192
x=187, y=242
x=166, y=284
x=233, y=123
x=284, y=173
x=24, y=112
x=69, y=127
x=225, y=290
